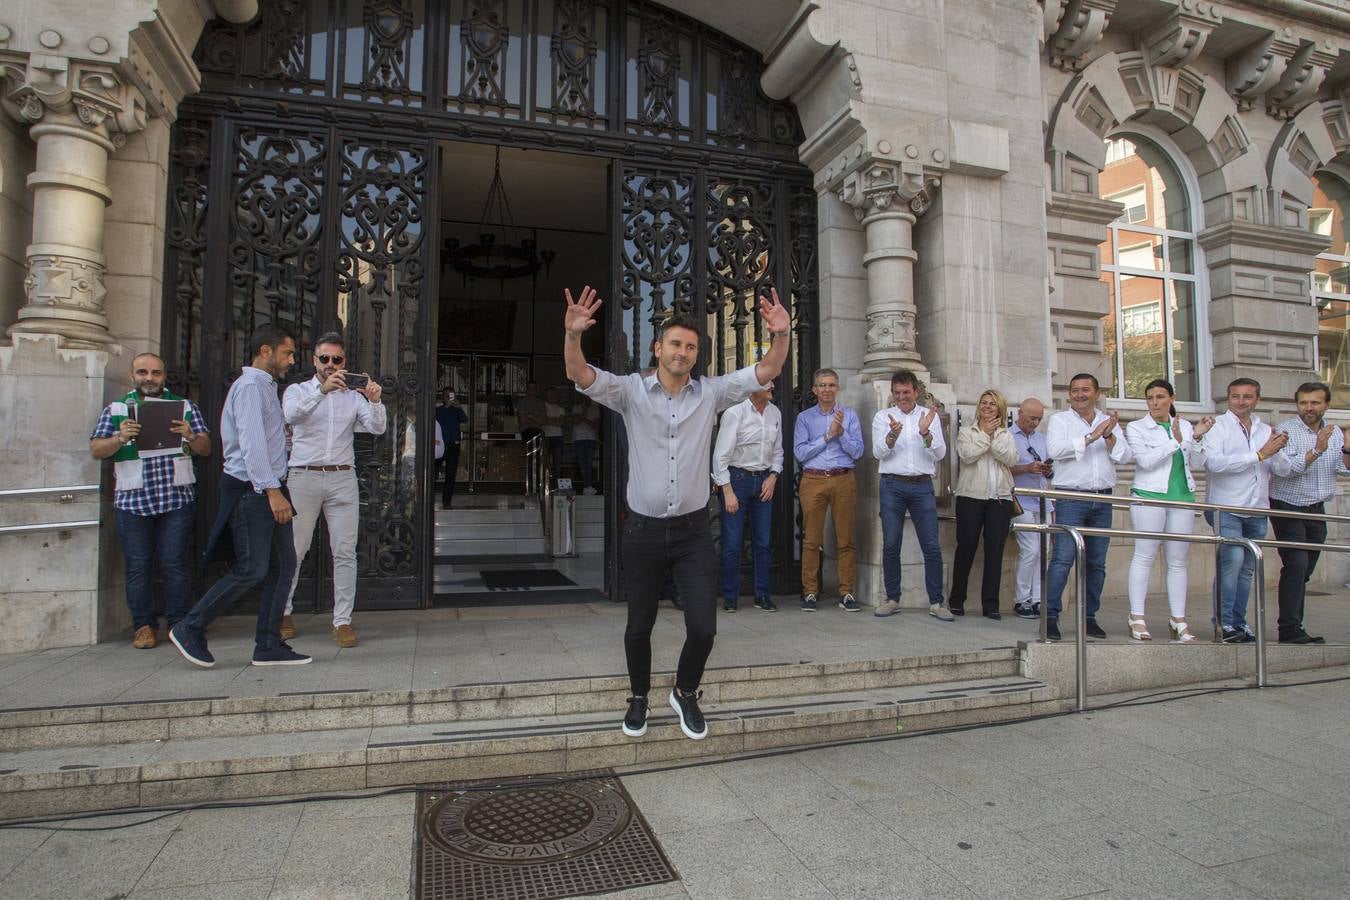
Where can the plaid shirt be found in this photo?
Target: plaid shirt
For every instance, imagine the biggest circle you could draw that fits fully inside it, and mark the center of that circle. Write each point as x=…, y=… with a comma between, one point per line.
x=1308, y=482
x=160, y=494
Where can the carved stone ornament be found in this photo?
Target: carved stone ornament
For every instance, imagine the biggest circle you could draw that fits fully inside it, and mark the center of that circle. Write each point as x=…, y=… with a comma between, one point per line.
x=881, y=185
x=37, y=86
x=1080, y=30
x=891, y=329
x=1180, y=38
x=1287, y=73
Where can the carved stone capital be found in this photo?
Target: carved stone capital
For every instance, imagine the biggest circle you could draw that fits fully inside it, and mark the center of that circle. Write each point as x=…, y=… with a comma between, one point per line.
x=1180, y=38
x=38, y=85
x=1080, y=30
x=888, y=186
x=1303, y=76
x=1286, y=72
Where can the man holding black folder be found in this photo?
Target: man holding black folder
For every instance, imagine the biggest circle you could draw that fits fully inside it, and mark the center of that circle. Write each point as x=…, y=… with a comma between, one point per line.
x=155, y=499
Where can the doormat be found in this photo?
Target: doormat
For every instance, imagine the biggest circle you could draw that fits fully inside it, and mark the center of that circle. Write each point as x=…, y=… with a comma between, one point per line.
x=524, y=579
x=583, y=835
x=541, y=597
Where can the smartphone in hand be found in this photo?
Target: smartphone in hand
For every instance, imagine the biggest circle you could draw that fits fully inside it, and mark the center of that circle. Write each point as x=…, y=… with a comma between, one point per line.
x=355, y=382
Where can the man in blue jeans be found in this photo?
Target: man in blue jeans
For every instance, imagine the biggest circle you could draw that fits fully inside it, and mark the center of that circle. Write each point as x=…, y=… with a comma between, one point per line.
x=1241, y=453
x=908, y=443
x=1084, y=444
x=747, y=460
x=255, y=512
x=155, y=499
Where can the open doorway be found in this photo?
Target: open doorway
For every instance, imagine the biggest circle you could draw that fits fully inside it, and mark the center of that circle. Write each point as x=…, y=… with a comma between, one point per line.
x=517, y=227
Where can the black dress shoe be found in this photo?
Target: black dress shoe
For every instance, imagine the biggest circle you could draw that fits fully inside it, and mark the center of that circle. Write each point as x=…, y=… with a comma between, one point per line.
x=1052, y=629
x=766, y=603
x=1093, y=629
x=957, y=609
x=993, y=614
x=1298, y=637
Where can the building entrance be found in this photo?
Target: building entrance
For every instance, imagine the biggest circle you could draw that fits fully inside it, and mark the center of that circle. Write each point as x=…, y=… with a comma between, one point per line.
x=332, y=174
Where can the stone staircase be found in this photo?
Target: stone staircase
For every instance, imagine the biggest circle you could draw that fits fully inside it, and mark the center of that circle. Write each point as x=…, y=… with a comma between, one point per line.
x=99, y=757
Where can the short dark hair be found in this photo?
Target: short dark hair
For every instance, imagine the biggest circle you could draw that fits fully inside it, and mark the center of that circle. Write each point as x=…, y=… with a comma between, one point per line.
x=678, y=320
x=1244, y=382
x=271, y=335
x=330, y=337
x=1308, y=387
x=905, y=376
x=1084, y=376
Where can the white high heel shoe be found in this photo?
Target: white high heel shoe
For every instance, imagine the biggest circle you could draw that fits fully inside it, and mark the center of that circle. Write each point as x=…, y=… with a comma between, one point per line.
x=1180, y=633
x=1139, y=629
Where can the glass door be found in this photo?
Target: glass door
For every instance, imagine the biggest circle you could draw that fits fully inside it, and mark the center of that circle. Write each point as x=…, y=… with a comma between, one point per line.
x=489, y=386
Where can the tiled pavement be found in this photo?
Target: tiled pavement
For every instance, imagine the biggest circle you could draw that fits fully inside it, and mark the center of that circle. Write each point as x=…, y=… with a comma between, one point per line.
x=1233, y=794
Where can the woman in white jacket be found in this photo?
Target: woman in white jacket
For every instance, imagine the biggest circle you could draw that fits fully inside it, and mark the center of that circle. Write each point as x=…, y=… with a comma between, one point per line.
x=983, y=501
x=1165, y=448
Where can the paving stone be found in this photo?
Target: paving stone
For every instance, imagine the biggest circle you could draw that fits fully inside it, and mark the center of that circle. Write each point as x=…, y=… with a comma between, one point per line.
x=368, y=856
x=250, y=889
x=697, y=798
x=84, y=865
x=739, y=859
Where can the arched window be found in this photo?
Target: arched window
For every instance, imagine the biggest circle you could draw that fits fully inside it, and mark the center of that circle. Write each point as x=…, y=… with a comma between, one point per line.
x=1149, y=265
x=1331, y=285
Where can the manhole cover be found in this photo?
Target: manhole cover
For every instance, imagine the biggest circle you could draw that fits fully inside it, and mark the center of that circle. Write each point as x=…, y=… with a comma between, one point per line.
x=580, y=836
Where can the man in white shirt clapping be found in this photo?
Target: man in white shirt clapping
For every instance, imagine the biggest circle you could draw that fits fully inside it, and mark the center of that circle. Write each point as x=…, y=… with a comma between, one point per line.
x=1241, y=453
x=1086, y=447
x=747, y=461
x=323, y=414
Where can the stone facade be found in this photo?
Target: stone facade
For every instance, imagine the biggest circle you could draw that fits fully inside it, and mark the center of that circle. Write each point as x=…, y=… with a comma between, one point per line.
x=956, y=147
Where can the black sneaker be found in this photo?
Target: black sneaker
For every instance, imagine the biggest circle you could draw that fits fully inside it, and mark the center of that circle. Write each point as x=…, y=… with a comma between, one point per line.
x=729, y=604
x=1233, y=636
x=766, y=604
x=1052, y=629
x=1025, y=611
x=192, y=646
x=280, y=655
x=847, y=602
x=692, y=722
x=809, y=603
x=1093, y=629
x=1298, y=637
x=635, y=722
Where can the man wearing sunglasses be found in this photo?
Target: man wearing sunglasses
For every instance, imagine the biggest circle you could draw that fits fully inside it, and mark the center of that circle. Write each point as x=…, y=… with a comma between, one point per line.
x=323, y=414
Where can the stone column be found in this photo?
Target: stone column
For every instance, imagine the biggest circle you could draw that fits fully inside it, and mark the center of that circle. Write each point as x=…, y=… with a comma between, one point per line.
x=887, y=200
x=81, y=113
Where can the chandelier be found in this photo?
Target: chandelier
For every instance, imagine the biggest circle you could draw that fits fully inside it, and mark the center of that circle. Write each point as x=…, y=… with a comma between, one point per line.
x=493, y=255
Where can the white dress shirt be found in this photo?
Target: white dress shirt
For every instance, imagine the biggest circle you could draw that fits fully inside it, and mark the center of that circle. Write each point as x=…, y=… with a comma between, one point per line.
x=1237, y=477
x=1080, y=466
x=909, y=456
x=669, y=438
x=748, y=439
x=322, y=424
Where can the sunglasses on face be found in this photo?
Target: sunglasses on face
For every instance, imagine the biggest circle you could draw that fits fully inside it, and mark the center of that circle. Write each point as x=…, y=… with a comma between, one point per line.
x=325, y=359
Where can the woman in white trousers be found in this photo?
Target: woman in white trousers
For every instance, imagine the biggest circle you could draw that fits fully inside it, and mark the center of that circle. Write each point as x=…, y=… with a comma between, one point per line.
x=1165, y=449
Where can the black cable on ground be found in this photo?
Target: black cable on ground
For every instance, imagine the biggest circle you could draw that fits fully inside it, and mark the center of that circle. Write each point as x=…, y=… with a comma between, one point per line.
x=158, y=813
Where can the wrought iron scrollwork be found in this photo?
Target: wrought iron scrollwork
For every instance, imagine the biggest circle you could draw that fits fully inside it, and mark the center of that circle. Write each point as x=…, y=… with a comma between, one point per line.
x=484, y=38
x=657, y=266
x=389, y=29
x=658, y=58
x=738, y=96
x=740, y=247
x=803, y=286
x=189, y=159
x=285, y=35
x=573, y=52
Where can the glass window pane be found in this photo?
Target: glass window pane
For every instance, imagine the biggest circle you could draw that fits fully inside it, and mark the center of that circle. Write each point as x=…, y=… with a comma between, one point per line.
x=1333, y=342
x=1110, y=346
x=1139, y=251
x=1142, y=337
x=1140, y=177
x=1185, y=377
x=1181, y=255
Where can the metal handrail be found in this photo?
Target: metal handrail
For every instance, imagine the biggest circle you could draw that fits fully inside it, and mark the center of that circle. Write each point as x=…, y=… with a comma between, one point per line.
x=1077, y=532
x=47, y=526
x=34, y=492
x=1130, y=500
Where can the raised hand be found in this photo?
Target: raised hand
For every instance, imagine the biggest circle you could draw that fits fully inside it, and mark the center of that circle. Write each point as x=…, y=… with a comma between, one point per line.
x=581, y=312
x=897, y=426
x=373, y=391
x=926, y=421
x=1202, y=428
x=1176, y=429
x=1324, y=438
x=773, y=314
x=1274, y=445
x=335, y=382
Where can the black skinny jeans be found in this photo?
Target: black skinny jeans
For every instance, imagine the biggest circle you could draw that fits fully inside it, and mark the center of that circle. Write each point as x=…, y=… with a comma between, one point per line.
x=1297, y=565
x=650, y=548
x=994, y=519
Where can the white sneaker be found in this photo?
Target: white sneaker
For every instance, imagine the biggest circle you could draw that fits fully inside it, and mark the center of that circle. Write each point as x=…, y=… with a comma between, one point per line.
x=886, y=608
x=940, y=611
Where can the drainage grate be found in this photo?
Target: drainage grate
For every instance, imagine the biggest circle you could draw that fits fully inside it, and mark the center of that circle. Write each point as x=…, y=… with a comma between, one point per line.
x=582, y=836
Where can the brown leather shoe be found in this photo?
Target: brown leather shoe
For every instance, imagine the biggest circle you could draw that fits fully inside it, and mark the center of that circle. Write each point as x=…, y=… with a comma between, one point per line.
x=145, y=638
x=344, y=636
x=287, y=628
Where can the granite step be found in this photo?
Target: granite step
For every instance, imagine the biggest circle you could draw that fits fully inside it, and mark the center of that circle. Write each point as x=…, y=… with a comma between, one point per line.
x=206, y=717
x=131, y=774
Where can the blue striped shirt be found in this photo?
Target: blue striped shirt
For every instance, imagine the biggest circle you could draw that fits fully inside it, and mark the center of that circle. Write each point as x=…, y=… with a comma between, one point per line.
x=253, y=431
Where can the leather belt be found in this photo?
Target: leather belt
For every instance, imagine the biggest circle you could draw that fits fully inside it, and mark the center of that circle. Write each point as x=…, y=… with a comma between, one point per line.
x=748, y=471
x=827, y=473
x=911, y=479
x=1086, y=490
x=323, y=468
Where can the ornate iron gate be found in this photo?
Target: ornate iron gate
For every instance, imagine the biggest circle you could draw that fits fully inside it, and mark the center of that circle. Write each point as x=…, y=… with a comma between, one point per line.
x=301, y=191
